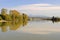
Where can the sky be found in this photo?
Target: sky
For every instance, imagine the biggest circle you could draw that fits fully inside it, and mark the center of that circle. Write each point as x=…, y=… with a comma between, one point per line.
x=34, y=7
x=13, y=3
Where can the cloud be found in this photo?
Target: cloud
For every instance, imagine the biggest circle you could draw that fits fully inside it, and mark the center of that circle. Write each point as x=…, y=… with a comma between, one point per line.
x=39, y=9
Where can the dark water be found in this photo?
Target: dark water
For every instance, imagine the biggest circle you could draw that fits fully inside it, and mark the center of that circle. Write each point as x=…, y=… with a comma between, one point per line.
x=33, y=30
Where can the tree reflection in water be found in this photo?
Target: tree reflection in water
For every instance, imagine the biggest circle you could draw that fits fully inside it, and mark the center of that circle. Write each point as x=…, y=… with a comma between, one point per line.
x=12, y=25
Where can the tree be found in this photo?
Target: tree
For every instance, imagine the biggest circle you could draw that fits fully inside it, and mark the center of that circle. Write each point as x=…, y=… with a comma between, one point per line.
x=15, y=15
x=5, y=15
x=25, y=19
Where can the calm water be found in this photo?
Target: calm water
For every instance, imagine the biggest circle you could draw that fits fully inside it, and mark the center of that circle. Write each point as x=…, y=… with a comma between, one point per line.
x=33, y=30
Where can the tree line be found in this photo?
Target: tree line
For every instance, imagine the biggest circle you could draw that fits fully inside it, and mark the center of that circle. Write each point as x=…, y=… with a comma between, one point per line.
x=12, y=15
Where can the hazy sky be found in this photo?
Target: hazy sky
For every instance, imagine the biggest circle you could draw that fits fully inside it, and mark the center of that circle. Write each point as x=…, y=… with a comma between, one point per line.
x=13, y=3
x=40, y=7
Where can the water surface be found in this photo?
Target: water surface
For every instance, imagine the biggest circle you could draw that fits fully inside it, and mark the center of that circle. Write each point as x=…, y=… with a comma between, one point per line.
x=33, y=30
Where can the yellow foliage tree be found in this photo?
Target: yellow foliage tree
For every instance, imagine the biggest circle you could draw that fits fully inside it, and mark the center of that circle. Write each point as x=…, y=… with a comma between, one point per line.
x=25, y=19
x=16, y=16
x=5, y=15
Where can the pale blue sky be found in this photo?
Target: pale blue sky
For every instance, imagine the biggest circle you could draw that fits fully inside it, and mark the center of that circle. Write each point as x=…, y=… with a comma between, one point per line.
x=13, y=3
x=40, y=7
